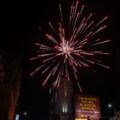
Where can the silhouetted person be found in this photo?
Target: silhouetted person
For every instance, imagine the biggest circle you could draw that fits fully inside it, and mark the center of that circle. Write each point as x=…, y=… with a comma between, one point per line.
x=89, y=118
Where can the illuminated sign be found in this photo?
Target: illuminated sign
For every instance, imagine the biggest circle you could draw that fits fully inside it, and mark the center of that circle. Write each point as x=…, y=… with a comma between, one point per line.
x=87, y=106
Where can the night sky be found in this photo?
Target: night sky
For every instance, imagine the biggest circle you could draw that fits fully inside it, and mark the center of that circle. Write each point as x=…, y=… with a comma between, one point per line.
x=22, y=23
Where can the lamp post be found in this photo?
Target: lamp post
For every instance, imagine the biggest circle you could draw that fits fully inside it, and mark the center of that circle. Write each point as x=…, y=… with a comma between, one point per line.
x=112, y=107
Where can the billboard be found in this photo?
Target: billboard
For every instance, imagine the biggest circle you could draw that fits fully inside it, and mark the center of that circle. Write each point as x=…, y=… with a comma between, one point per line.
x=85, y=106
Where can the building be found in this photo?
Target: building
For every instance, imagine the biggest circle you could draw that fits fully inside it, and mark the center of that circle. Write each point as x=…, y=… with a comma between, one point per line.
x=10, y=73
x=61, y=101
x=118, y=115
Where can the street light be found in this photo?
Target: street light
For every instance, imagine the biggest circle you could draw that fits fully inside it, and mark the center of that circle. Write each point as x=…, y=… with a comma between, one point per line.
x=25, y=113
x=110, y=105
x=113, y=107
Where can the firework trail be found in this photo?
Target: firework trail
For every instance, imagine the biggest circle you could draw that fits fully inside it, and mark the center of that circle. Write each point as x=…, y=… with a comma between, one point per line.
x=67, y=54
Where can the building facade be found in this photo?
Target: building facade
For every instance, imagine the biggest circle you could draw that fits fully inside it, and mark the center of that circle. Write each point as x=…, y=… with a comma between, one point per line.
x=10, y=73
x=61, y=106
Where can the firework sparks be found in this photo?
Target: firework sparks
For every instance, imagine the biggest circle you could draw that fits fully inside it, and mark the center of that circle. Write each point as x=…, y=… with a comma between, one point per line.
x=69, y=53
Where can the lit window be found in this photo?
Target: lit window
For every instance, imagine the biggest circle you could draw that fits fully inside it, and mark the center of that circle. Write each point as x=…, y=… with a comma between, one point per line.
x=64, y=108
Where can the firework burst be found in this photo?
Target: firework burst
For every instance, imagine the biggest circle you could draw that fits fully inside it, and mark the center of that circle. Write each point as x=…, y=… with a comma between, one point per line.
x=67, y=54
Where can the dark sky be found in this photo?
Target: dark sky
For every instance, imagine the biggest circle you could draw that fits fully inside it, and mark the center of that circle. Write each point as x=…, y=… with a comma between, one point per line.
x=20, y=30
